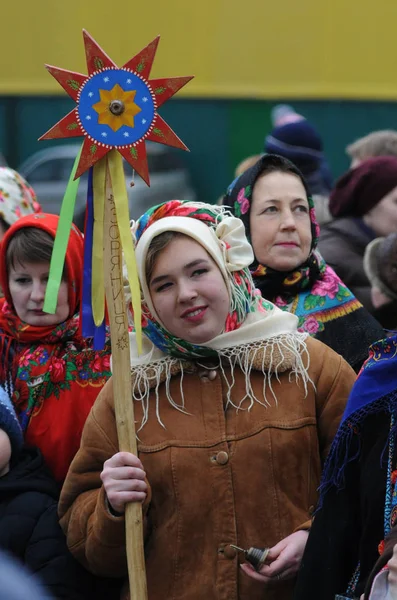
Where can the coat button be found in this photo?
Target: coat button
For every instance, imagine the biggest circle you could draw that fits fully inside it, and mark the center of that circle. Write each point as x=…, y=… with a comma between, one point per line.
x=206, y=375
x=229, y=552
x=222, y=458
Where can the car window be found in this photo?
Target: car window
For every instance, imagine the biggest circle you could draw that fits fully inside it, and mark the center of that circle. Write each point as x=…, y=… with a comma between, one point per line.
x=44, y=172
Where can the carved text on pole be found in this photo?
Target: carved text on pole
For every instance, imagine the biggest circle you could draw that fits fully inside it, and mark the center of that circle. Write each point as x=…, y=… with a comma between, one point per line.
x=116, y=278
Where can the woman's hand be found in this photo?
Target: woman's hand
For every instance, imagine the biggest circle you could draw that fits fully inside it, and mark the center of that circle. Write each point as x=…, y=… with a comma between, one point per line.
x=123, y=478
x=284, y=558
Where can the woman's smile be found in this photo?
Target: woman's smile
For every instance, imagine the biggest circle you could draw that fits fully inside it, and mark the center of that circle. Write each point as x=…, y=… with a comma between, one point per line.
x=195, y=314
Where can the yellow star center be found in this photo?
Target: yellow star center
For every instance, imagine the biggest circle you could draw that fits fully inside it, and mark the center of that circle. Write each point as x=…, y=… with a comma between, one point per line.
x=116, y=107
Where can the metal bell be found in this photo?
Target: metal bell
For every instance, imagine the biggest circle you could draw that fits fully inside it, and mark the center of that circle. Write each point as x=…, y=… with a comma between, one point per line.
x=255, y=556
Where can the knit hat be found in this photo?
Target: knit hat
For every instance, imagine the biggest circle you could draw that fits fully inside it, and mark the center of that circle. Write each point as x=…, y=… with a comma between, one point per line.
x=299, y=142
x=9, y=423
x=17, y=198
x=362, y=188
x=380, y=264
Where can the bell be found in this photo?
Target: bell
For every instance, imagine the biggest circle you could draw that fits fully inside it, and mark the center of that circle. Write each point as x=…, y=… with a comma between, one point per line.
x=255, y=556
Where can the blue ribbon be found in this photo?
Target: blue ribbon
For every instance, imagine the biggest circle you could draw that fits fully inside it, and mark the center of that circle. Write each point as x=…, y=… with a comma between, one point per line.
x=89, y=328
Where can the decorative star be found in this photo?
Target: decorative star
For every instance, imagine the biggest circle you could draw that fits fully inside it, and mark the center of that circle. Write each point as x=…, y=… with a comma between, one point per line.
x=106, y=117
x=126, y=134
x=122, y=342
x=81, y=88
x=88, y=117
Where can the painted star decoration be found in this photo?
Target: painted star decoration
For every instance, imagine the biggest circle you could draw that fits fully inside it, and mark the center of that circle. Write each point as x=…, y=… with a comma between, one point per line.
x=116, y=107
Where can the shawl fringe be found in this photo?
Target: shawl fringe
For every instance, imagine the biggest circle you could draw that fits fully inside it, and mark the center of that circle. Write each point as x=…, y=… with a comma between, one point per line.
x=286, y=352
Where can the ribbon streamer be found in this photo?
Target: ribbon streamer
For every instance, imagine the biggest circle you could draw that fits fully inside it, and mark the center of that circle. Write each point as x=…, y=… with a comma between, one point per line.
x=98, y=281
x=61, y=241
x=115, y=163
x=88, y=326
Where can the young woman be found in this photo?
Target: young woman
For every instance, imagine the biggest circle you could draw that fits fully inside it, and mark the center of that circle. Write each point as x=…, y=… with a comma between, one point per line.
x=235, y=413
x=273, y=201
x=56, y=376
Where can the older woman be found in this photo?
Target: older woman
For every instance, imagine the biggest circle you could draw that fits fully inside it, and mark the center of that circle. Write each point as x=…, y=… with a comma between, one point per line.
x=273, y=201
x=364, y=204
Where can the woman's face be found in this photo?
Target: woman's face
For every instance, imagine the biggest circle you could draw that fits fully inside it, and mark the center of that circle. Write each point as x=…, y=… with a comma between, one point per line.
x=280, y=221
x=188, y=292
x=27, y=284
x=383, y=217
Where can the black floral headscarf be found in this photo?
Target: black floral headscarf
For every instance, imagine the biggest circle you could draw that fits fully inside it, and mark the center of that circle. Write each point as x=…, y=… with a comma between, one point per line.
x=271, y=282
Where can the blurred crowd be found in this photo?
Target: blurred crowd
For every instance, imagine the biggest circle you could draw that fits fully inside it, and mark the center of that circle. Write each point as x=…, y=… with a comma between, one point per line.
x=265, y=395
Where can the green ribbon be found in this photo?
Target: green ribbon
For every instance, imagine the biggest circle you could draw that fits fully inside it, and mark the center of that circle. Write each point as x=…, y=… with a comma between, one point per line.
x=61, y=241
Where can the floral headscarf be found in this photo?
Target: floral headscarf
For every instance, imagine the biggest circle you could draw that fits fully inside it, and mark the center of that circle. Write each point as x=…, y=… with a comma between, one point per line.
x=224, y=238
x=253, y=327
x=312, y=291
x=17, y=197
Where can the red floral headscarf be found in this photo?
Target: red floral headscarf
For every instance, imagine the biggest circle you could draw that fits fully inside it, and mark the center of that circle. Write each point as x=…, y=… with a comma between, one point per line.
x=55, y=374
x=9, y=321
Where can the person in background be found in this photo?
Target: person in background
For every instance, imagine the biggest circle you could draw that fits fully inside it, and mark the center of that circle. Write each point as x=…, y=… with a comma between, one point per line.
x=358, y=492
x=53, y=373
x=364, y=206
x=377, y=143
x=296, y=139
x=29, y=524
x=380, y=265
x=301, y=143
x=274, y=203
x=17, y=199
x=235, y=411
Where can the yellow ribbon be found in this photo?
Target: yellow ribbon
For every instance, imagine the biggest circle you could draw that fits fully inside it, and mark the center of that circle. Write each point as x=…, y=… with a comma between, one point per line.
x=115, y=163
x=98, y=276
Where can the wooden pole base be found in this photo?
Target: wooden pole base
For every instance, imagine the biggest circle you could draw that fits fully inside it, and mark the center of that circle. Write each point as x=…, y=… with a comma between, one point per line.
x=121, y=370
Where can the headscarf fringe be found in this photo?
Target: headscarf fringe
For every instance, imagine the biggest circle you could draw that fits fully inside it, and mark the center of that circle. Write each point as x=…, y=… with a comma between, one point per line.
x=346, y=446
x=272, y=357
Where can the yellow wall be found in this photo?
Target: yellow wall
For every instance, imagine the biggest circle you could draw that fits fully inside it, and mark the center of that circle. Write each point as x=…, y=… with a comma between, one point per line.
x=235, y=48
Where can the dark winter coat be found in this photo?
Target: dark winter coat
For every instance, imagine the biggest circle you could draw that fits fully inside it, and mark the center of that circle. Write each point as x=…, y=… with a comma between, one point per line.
x=342, y=244
x=348, y=528
x=30, y=531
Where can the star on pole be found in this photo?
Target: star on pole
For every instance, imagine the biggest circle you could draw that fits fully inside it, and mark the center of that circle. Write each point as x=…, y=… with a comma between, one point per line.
x=121, y=109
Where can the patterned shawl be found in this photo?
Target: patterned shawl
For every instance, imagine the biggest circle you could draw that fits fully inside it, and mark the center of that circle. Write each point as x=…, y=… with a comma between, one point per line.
x=55, y=374
x=312, y=291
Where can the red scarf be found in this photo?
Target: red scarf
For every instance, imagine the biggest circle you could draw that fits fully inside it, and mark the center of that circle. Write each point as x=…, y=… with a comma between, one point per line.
x=56, y=375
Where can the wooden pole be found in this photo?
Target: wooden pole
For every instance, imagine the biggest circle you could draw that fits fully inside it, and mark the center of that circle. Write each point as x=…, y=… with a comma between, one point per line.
x=121, y=371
